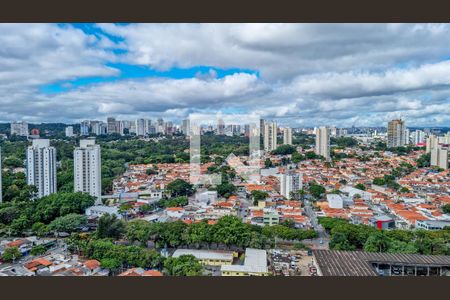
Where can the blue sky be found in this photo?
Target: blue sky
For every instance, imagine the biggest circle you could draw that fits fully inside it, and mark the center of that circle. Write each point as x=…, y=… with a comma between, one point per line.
x=297, y=74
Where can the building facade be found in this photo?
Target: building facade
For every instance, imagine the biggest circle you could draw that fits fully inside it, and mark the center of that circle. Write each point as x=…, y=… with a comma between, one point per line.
x=41, y=167
x=19, y=128
x=287, y=136
x=87, y=169
x=396, y=133
x=270, y=136
x=69, y=131
x=323, y=142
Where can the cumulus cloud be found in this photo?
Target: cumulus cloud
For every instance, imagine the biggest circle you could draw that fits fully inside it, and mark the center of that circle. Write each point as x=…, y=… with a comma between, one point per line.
x=308, y=74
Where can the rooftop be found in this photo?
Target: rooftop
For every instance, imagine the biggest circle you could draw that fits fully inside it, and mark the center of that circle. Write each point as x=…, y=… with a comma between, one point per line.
x=359, y=263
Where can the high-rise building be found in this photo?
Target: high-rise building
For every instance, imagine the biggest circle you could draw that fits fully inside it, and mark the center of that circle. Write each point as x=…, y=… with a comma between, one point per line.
x=287, y=136
x=290, y=183
x=323, y=142
x=270, y=136
x=262, y=125
x=418, y=137
x=87, y=169
x=69, y=131
x=140, y=127
x=396, y=133
x=439, y=157
x=185, y=127
x=41, y=167
x=432, y=143
x=119, y=127
x=111, y=123
x=220, y=127
x=84, y=128
x=19, y=128
x=407, y=138
x=444, y=139
x=333, y=131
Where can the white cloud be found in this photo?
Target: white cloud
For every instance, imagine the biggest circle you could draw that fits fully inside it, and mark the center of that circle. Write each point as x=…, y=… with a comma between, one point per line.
x=310, y=74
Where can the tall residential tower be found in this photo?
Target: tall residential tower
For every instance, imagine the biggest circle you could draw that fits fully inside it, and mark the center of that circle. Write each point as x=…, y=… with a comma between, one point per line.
x=87, y=169
x=41, y=167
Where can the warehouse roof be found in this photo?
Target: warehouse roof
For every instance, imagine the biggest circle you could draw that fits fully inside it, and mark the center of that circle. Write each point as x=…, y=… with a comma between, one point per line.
x=359, y=263
x=205, y=254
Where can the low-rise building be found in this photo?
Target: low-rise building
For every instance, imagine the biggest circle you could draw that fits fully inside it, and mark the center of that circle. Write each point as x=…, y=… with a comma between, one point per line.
x=208, y=257
x=255, y=264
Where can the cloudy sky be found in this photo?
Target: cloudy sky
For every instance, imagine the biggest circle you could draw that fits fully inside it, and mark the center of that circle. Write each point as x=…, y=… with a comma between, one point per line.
x=298, y=74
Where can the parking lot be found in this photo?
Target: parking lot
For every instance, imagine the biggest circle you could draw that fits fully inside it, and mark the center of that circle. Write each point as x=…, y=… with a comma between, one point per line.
x=291, y=263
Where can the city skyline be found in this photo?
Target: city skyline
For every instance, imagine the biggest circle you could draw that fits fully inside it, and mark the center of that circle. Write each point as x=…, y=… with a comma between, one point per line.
x=299, y=74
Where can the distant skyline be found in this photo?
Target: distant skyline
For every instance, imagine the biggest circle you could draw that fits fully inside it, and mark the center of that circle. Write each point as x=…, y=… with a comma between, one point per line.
x=300, y=74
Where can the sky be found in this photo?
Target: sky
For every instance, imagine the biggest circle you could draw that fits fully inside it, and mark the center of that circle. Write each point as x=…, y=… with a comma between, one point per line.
x=297, y=74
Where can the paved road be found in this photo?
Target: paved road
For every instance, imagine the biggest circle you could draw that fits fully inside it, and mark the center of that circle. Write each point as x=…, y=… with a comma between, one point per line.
x=323, y=240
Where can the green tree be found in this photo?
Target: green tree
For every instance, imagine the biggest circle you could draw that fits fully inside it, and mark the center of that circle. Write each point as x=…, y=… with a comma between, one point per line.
x=38, y=250
x=360, y=186
x=184, y=265
x=109, y=226
x=268, y=163
x=68, y=223
x=316, y=190
x=446, y=209
x=11, y=254
x=179, y=187
x=377, y=242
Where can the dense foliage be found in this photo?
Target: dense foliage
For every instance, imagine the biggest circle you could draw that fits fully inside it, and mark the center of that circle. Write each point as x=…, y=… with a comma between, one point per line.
x=17, y=217
x=228, y=231
x=346, y=236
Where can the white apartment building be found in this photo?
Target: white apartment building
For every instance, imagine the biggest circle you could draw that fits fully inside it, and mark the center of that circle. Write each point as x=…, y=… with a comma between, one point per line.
x=287, y=136
x=41, y=167
x=432, y=143
x=19, y=128
x=323, y=142
x=140, y=127
x=270, y=136
x=419, y=137
x=289, y=183
x=87, y=169
x=439, y=157
x=69, y=131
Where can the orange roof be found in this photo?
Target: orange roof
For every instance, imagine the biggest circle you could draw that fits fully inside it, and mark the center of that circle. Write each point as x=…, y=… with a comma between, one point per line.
x=152, y=273
x=15, y=243
x=212, y=222
x=174, y=209
x=92, y=264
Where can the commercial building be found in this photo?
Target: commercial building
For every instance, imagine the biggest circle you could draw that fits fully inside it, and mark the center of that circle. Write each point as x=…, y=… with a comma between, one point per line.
x=287, y=136
x=361, y=263
x=432, y=224
x=396, y=133
x=41, y=167
x=87, y=169
x=19, y=128
x=255, y=264
x=69, y=131
x=270, y=136
x=208, y=257
x=323, y=142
